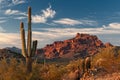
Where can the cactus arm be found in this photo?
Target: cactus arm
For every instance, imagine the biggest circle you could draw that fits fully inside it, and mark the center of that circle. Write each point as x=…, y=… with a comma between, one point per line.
x=24, y=53
x=34, y=47
x=29, y=32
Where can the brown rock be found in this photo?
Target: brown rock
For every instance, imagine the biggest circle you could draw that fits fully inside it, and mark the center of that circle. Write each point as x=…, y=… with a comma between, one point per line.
x=108, y=45
x=84, y=44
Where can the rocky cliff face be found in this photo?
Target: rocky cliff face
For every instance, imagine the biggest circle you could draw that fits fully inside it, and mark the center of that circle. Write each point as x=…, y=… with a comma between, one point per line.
x=79, y=46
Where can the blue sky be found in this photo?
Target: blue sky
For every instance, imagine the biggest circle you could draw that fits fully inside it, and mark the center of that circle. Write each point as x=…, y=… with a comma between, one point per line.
x=59, y=20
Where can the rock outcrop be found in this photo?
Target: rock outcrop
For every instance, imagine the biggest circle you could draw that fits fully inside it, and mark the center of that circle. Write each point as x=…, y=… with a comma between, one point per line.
x=108, y=45
x=79, y=46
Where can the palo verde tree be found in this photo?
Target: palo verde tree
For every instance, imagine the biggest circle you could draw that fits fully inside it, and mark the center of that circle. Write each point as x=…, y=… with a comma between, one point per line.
x=28, y=52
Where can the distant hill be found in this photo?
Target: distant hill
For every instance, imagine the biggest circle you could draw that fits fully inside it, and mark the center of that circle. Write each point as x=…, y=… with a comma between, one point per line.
x=14, y=49
x=10, y=52
x=80, y=46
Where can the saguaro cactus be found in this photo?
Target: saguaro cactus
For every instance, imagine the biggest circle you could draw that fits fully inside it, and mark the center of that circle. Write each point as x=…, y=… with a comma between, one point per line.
x=28, y=52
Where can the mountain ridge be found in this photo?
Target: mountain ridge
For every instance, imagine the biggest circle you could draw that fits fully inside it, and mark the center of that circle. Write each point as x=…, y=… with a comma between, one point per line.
x=80, y=46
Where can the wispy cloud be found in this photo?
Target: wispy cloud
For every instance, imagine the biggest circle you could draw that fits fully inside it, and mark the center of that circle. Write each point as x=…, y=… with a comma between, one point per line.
x=73, y=22
x=2, y=20
x=112, y=26
x=8, y=3
x=9, y=39
x=20, y=18
x=67, y=21
x=13, y=39
x=89, y=22
x=15, y=2
x=42, y=18
x=14, y=12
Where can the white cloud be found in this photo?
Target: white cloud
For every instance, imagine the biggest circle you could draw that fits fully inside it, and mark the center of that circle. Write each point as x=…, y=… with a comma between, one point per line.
x=2, y=21
x=112, y=26
x=48, y=13
x=10, y=12
x=88, y=22
x=14, y=12
x=67, y=21
x=13, y=39
x=73, y=22
x=18, y=1
x=42, y=18
x=38, y=19
x=57, y=32
x=20, y=18
x=8, y=3
x=9, y=39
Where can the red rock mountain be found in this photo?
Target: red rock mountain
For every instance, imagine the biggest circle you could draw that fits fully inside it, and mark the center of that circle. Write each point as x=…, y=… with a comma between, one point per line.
x=81, y=45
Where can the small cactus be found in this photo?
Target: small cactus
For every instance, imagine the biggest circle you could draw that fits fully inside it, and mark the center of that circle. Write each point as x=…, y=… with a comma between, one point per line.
x=28, y=52
x=87, y=63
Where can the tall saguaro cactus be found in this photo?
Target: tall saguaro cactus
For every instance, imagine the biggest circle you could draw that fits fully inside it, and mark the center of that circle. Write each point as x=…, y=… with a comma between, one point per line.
x=28, y=52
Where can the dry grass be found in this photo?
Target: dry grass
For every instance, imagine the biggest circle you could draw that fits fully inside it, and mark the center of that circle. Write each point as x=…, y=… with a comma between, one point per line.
x=14, y=70
x=113, y=76
x=108, y=68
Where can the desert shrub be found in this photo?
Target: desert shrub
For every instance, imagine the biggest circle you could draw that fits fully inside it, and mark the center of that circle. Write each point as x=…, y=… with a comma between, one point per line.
x=73, y=65
x=52, y=72
x=11, y=69
x=107, y=58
